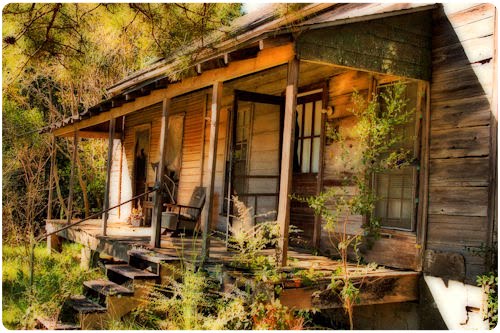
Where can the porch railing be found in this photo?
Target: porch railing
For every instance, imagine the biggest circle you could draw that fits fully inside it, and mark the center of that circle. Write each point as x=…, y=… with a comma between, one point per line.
x=43, y=237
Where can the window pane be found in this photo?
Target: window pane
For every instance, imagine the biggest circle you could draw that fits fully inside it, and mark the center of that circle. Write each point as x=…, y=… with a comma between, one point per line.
x=381, y=208
x=315, y=155
x=382, y=182
x=306, y=156
x=396, y=186
x=394, y=209
x=299, y=120
x=308, y=119
x=317, y=118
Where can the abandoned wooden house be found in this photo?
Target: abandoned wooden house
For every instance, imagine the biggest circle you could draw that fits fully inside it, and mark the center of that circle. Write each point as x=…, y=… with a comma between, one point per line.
x=249, y=119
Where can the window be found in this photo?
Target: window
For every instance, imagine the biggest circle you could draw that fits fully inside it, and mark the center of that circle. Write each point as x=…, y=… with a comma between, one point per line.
x=396, y=189
x=307, y=134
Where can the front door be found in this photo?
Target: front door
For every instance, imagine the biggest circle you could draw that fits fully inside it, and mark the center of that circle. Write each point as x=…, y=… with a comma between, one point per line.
x=256, y=153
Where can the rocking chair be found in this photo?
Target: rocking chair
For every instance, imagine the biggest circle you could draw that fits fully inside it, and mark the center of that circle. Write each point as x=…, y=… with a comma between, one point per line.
x=187, y=216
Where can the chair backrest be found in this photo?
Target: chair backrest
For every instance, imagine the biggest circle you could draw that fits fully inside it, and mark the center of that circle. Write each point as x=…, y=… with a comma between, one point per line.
x=197, y=200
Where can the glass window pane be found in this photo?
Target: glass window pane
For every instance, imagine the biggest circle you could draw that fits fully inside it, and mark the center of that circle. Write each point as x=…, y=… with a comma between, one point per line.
x=315, y=155
x=299, y=120
x=394, y=209
x=306, y=156
x=396, y=186
x=381, y=208
x=317, y=118
x=308, y=119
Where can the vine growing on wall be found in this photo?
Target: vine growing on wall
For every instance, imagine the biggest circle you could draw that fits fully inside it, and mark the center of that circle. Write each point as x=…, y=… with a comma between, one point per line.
x=377, y=138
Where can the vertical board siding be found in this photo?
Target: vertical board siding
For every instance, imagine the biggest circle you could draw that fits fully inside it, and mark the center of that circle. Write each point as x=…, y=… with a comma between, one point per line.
x=461, y=92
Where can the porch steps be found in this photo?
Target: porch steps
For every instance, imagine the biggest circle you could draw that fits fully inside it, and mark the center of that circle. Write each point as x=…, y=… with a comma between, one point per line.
x=149, y=260
x=122, y=273
x=104, y=300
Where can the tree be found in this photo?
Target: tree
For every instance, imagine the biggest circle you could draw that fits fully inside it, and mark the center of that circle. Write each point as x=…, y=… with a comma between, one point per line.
x=58, y=60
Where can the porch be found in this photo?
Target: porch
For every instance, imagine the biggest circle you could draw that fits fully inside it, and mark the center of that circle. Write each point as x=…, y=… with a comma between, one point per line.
x=129, y=244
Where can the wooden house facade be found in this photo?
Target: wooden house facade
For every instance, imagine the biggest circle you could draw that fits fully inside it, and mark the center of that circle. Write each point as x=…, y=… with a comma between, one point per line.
x=251, y=119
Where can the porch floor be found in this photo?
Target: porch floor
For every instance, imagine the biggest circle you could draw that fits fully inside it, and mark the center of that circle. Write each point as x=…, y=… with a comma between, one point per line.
x=122, y=237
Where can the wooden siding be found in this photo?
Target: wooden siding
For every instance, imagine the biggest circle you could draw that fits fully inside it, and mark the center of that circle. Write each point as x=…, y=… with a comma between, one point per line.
x=461, y=92
x=397, y=45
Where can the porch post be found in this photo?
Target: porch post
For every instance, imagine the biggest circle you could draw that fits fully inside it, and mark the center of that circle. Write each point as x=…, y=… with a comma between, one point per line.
x=157, y=199
x=287, y=157
x=212, y=157
x=72, y=177
x=112, y=123
x=51, y=178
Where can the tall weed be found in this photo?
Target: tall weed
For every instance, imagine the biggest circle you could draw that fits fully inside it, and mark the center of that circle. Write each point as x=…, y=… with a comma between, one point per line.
x=56, y=277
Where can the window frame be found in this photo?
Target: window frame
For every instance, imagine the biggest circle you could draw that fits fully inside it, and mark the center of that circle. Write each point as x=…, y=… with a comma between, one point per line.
x=416, y=167
x=308, y=97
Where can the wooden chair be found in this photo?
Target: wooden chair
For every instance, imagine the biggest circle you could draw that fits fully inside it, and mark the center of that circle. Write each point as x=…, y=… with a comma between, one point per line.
x=188, y=216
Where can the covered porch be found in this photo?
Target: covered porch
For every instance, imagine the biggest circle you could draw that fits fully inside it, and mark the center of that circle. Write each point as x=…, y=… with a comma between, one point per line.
x=378, y=285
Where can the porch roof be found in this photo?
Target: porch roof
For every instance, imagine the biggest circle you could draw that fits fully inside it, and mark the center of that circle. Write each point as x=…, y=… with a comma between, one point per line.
x=247, y=37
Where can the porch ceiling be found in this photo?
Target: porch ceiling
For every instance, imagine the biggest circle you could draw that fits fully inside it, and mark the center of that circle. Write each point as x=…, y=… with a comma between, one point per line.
x=273, y=81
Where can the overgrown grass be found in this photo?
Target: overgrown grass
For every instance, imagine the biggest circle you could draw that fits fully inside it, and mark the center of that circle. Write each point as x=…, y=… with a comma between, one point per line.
x=57, y=276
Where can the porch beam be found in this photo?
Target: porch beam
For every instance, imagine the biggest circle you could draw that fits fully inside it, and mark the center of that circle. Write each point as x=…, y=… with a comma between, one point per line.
x=111, y=136
x=94, y=135
x=160, y=173
x=212, y=157
x=72, y=176
x=266, y=59
x=287, y=158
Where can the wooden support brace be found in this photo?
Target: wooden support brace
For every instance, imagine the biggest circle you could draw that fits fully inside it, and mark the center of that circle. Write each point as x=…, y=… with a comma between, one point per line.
x=51, y=177
x=72, y=176
x=112, y=124
x=160, y=172
x=212, y=157
x=287, y=158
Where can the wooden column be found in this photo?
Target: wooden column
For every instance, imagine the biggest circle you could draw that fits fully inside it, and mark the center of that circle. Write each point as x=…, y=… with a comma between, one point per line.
x=72, y=177
x=112, y=123
x=51, y=177
x=287, y=158
x=160, y=172
x=319, y=181
x=212, y=157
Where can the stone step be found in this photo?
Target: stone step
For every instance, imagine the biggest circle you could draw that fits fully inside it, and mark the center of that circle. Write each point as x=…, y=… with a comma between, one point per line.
x=121, y=273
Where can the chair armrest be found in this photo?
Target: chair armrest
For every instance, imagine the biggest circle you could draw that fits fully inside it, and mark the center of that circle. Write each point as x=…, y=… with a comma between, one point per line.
x=180, y=206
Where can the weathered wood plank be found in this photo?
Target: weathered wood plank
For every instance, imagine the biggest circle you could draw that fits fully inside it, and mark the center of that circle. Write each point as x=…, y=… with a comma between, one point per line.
x=461, y=142
x=464, y=201
x=459, y=172
x=467, y=112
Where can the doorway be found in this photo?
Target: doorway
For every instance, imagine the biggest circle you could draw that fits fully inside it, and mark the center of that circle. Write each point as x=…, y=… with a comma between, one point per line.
x=253, y=165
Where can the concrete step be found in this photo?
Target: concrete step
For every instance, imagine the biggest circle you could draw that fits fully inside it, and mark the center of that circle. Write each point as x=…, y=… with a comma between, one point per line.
x=121, y=274
x=101, y=290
